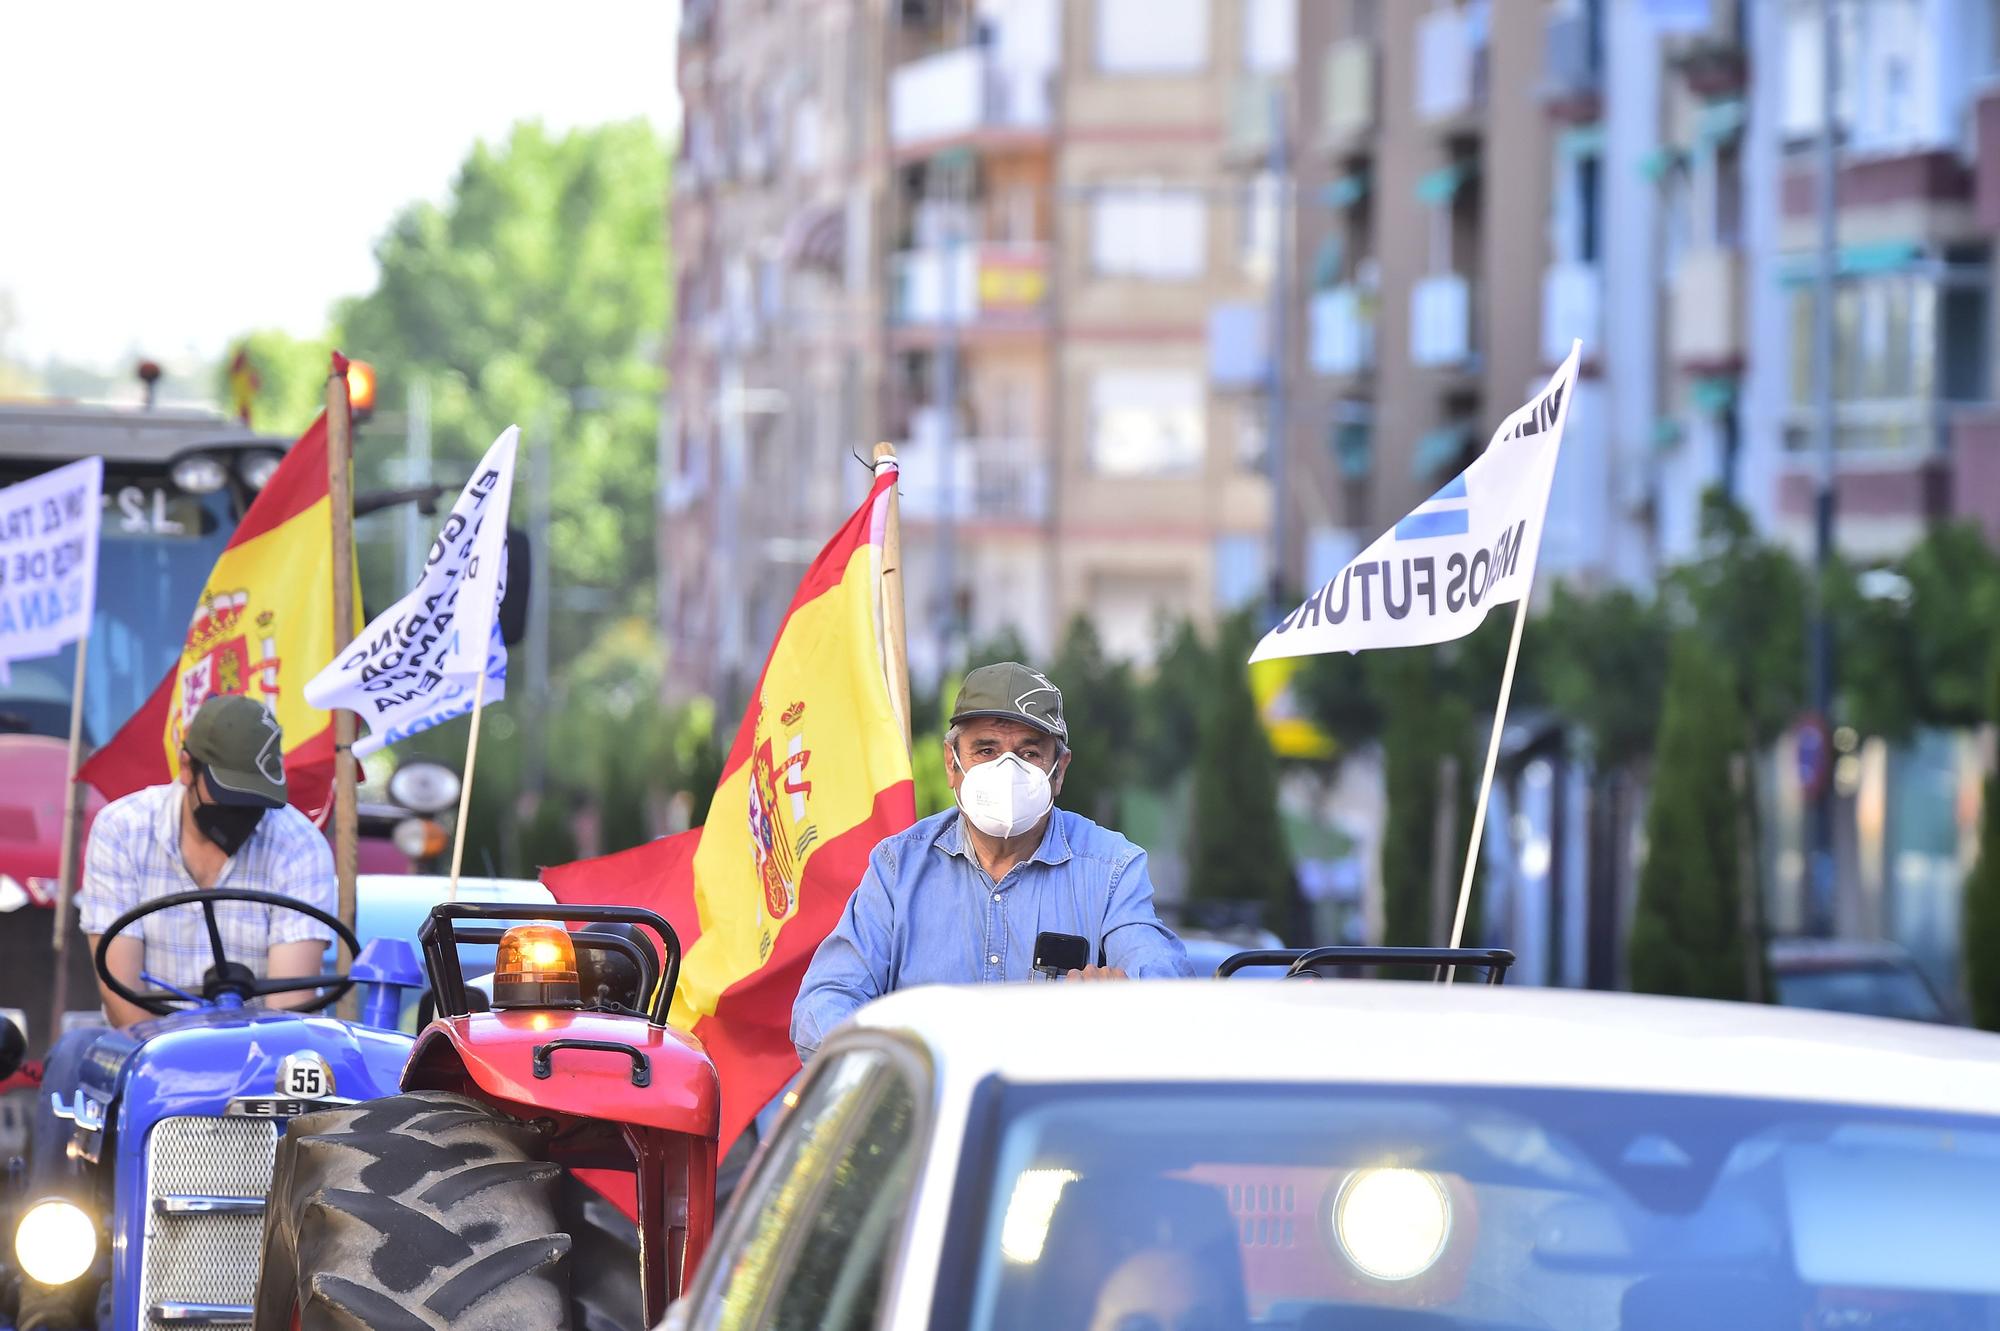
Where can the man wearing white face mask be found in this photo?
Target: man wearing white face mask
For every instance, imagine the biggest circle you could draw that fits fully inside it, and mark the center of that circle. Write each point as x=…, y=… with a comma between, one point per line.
x=960, y=897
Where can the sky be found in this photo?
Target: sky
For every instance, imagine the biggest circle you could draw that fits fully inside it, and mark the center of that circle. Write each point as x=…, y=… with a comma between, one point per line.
x=172, y=175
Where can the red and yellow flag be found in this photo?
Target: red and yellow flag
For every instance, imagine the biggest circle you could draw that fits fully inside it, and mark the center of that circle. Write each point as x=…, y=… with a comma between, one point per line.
x=263, y=626
x=819, y=774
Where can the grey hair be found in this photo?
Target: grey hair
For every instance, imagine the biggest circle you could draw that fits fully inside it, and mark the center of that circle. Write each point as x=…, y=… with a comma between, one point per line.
x=952, y=733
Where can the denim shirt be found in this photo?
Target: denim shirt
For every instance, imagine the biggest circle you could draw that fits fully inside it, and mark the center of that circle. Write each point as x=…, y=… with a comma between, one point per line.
x=927, y=912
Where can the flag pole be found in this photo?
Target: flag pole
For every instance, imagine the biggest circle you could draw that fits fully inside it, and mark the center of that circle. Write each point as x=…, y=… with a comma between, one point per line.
x=66, y=875
x=465, y=786
x=895, y=645
x=1486, y=777
x=340, y=495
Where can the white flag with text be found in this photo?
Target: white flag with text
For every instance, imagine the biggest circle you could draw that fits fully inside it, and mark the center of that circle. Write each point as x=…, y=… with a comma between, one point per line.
x=417, y=663
x=1469, y=547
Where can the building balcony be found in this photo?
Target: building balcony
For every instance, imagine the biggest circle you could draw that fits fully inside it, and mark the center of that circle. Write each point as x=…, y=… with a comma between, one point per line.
x=1340, y=332
x=1452, y=68
x=1572, y=307
x=1347, y=95
x=987, y=480
x=1573, y=69
x=1707, y=311
x=963, y=93
x=995, y=287
x=1441, y=321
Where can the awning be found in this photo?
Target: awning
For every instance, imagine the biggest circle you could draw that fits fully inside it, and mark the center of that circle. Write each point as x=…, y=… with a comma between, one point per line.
x=1353, y=449
x=1719, y=122
x=1713, y=394
x=1583, y=141
x=1889, y=256
x=1437, y=187
x=1346, y=191
x=1327, y=263
x=1655, y=165
x=1440, y=449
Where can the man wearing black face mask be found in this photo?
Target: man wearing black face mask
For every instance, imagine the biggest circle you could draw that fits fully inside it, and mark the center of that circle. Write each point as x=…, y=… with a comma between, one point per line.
x=224, y=823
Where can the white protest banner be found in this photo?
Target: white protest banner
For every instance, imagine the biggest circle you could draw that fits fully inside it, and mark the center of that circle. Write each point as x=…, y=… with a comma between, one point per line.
x=418, y=663
x=1469, y=547
x=48, y=559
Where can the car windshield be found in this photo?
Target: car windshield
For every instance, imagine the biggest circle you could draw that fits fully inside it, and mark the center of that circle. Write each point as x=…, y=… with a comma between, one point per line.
x=1176, y=1209
x=154, y=553
x=1878, y=991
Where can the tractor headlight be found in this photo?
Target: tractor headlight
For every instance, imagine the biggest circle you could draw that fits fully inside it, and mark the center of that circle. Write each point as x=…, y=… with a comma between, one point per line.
x=1392, y=1223
x=55, y=1242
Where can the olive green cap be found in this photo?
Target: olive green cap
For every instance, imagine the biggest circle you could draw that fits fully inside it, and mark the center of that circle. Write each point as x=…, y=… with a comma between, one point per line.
x=242, y=747
x=1010, y=691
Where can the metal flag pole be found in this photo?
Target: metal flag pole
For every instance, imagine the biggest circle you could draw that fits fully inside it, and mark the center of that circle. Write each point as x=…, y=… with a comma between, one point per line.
x=894, y=645
x=340, y=495
x=66, y=875
x=465, y=787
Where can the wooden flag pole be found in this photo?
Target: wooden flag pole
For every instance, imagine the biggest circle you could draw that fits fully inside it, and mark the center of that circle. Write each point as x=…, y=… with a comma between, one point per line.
x=1486, y=777
x=465, y=786
x=72, y=825
x=340, y=493
x=896, y=645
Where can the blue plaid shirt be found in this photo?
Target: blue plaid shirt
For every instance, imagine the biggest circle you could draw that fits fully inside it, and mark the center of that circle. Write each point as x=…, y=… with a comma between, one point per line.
x=927, y=912
x=134, y=856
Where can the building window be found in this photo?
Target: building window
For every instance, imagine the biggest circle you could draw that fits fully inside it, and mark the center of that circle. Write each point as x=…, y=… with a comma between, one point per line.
x=1894, y=92
x=1152, y=36
x=1258, y=251
x=1270, y=35
x=1240, y=564
x=1159, y=234
x=1146, y=422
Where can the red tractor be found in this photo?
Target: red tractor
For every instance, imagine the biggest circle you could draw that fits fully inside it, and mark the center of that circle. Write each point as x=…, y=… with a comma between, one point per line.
x=482, y=1196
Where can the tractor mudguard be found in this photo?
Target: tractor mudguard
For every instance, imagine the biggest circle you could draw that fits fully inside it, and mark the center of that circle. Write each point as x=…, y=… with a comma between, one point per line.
x=584, y=1064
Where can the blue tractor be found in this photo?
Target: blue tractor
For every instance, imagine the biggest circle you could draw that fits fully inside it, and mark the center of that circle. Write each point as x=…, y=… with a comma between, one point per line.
x=161, y=1136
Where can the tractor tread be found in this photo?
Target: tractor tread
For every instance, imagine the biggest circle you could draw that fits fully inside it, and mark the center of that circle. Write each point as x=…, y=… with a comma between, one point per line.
x=415, y=1212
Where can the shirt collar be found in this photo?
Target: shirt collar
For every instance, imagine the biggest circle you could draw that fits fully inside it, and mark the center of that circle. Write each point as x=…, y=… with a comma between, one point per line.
x=1053, y=850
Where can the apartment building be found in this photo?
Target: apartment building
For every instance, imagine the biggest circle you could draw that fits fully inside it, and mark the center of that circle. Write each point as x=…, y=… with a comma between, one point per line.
x=777, y=355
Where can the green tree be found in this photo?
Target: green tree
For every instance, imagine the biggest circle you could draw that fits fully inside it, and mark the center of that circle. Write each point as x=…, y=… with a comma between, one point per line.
x=1688, y=930
x=1101, y=704
x=537, y=295
x=1918, y=655
x=549, y=836
x=1170, y=703
x=1747, y=598
x=1982, y=898
x=1238, y=850
x=1601, y=661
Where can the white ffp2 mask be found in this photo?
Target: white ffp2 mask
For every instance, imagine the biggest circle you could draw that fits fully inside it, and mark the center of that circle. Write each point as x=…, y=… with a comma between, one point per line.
x=1006, y=796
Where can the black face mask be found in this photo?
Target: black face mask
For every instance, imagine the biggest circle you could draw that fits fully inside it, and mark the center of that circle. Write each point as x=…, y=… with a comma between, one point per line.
x=228, y=826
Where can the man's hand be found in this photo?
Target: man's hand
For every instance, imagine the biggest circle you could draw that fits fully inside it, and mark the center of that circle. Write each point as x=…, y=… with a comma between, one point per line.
x=288, y=961
x=1099, y=973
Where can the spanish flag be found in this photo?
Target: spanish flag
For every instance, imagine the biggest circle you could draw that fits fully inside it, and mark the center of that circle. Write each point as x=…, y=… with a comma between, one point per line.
x=262, y=626
x=819, y=773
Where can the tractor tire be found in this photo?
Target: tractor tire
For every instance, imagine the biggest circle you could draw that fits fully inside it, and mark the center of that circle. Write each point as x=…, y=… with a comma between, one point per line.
x=417, y=1212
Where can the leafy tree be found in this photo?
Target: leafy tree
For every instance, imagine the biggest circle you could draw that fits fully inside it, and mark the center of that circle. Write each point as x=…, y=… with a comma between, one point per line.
x=1982, y=899
x=536, y=295
x=1920, y=658
x=1101, y=704
x=1688, y=934
x=1239, y=852
x=1165, y=737
x=1747, y=598
x=549, y=836
x=1602, y=663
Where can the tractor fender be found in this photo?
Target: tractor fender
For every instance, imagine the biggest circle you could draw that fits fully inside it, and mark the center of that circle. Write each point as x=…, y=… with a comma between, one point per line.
x=534, y=1062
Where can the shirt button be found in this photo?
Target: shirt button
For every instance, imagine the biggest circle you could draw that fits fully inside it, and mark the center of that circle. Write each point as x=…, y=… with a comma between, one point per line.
x=993, y=960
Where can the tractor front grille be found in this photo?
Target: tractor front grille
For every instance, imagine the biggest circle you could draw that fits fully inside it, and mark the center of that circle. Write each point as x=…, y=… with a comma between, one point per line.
x=206, y=1181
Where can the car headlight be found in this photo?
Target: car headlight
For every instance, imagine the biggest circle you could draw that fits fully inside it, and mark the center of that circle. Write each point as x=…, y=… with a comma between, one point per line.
x=1392, y=1223
x=55, y=1242
x=199, y=474
x=256, y=469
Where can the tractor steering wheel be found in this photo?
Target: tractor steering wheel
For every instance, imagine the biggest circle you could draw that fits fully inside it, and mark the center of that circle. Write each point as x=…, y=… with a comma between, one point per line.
x=226, y=976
